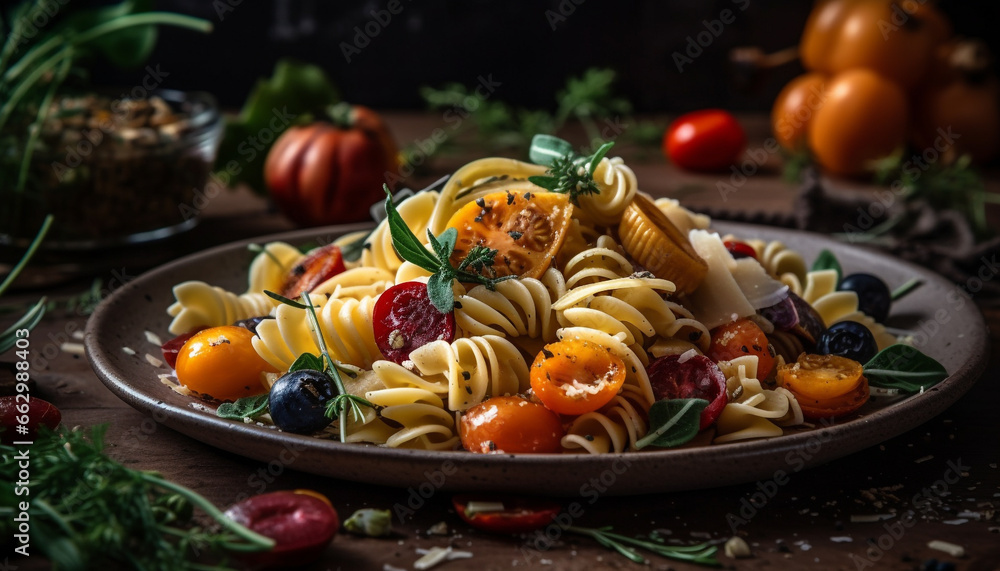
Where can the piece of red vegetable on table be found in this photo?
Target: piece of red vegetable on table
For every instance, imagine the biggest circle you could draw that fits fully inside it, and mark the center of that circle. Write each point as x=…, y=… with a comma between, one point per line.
x=302, y=523
x=505, y=514
x=32, y=413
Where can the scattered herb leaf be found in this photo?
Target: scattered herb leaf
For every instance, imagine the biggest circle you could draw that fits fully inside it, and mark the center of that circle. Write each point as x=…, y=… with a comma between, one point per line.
x=905, y=368
x=672, y=422
x=827, y=260
x=702, y=553
x=245, y=407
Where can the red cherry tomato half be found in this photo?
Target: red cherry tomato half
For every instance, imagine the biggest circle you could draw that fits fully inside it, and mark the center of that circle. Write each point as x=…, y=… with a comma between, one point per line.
x=740, y=249
x=301, y=524
x=518, y=515
x=697, y=377
x=404, y=319
x=706, y=140
x=320, y=265
x=36, y=411
x=739, y=338
x=171, y=348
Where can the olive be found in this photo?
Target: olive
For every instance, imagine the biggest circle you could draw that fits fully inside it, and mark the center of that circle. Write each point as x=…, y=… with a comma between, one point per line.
x=874, y=298
x=298, y=400
x=848, y=339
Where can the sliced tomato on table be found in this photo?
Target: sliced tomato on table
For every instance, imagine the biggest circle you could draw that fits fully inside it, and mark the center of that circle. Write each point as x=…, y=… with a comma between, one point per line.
x=318, y=266
x=574, y=376
x=510, y=424
x=526, y=229
x=741, y=338
x=302, y=523
x=690, y=376
x=505, y=514
x=404, y=318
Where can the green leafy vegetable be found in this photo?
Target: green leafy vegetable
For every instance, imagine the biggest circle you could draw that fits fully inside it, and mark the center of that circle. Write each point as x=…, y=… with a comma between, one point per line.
x=471, y=269
x=88, y=511
x=673, y=422
x=34, y=314
x=245, y=407
x=905, y=368
x=306, y=361
x=702, y=553
x=828, y=261
x=295, y=91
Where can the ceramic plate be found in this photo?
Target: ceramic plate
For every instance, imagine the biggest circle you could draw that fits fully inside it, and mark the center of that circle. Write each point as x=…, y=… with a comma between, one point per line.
x=951, y=329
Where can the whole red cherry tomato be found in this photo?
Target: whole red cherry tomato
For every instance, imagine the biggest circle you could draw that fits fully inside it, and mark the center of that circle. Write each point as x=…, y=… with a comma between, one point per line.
x=706, y=140
x=327, y=173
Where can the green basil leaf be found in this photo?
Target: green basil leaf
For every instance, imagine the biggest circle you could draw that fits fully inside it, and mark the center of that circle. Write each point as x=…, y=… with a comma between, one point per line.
x=550, y=183
x=673, y=422
x=440, y=292
x=307, y=361
x=827, y=261
x=905, y=368
x=599, y=155
x=246, y=407
x=405, y=242
x=545, y=149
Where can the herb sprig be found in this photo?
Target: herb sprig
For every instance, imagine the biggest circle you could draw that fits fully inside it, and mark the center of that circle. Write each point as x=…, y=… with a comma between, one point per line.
x=88, y=511
x=344, y=401
x=474, y=268
x=702, y=553
x=569, y=172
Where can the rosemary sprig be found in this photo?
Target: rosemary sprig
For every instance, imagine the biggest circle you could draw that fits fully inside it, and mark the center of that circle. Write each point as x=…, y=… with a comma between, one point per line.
x=34, y=314
x=339, y=405
x=569, y=172
x=472, y=269
x=88, y=511
x=702, y=554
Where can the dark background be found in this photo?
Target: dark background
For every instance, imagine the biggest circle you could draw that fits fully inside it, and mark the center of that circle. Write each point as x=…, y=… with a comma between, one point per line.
x=433, y=42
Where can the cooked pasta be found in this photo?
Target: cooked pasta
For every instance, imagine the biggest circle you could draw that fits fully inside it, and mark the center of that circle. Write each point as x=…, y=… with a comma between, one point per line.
x=199, y=304
x=593, y=320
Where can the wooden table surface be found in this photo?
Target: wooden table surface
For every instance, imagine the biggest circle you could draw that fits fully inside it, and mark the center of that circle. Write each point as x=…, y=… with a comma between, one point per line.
x=806, y=524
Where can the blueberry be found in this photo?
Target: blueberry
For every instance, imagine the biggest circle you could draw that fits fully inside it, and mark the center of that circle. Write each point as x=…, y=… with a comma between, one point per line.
x=252, y=322
x=848, y=339
x=298, y=401
x=874, y=297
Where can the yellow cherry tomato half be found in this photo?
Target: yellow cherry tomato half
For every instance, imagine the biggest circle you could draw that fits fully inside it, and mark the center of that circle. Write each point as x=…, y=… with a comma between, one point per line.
x=221, y=363
x=821, y=377
x=815, y=409
x=574, y=376
x=526, y=229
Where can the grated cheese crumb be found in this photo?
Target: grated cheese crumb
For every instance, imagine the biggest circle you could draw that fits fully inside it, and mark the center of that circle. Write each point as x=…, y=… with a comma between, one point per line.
x=153, y=338
x=153, y=361
x=72, y=348
x=128, y=350
x=949, y=548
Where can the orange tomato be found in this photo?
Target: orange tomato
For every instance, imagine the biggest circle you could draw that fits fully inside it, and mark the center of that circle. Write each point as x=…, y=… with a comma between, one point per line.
x=221, y=363
x=864, y=118
x=512, y=425
x=821, y=377
x=794, y=109
x=574, y=376
x=815, y=409
x=740, y=338
x=896, y=40
x=526, y=229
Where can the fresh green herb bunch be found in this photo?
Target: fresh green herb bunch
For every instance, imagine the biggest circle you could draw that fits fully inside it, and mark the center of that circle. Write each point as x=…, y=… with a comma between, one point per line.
x=569, y=172
x=87, y=511
x=472, y=269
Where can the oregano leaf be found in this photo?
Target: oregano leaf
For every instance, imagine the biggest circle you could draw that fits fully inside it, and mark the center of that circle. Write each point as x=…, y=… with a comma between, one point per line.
x=246, y=407
x=905, y=368
x=673, y=422
x=546, y=182
x=440, y=292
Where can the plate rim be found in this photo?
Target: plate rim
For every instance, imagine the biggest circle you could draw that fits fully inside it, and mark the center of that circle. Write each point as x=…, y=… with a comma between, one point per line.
x=191, y=421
